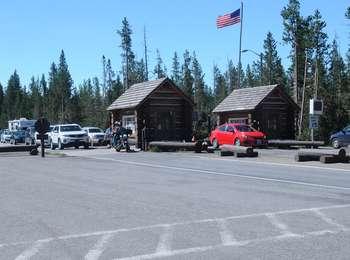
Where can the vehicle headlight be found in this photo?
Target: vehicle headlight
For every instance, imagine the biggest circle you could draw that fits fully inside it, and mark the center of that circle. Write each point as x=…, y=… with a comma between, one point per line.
x=245, y=137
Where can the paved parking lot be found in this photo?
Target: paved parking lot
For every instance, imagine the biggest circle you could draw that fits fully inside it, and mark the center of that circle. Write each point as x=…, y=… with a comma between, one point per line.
x=99, y=204
x=193, y=237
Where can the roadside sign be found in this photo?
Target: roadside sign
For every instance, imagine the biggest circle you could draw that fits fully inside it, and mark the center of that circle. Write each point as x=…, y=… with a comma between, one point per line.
x=313, y=121
x=316, y=107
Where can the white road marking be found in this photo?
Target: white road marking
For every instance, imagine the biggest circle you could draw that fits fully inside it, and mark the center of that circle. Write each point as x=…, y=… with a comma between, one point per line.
x=121, y=230
x=240, y=244
x=169, y=253
x=328, y=220
x=281, y=226
x=99, y=247
x=243, y=176
x=225, y=234
x=164, y=244
x=32, y=251
x=276, y=164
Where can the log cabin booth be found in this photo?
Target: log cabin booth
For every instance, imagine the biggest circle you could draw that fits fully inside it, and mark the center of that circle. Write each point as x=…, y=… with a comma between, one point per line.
x=268, y=108
x=154, y=110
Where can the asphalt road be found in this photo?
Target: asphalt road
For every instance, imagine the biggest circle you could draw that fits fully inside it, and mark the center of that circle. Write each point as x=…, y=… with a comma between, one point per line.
x=106, y=205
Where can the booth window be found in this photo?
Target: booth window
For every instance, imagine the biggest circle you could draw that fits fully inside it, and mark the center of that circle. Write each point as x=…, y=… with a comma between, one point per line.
x=129, y=122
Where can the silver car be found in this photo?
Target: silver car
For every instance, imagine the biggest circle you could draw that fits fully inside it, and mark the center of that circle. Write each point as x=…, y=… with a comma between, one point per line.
x=96, y=135
x=5, y=136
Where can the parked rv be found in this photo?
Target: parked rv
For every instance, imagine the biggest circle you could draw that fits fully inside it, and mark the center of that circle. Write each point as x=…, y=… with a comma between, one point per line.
x=20, y=124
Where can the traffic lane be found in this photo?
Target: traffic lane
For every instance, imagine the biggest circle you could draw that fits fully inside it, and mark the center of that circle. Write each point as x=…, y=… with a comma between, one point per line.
x=263, y=159
x=321, y=175
x=72, y=195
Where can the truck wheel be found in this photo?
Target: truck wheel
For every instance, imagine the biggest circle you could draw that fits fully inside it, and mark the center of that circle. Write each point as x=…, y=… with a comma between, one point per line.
x=335, y=143
x=52, y=146
x=60, y=145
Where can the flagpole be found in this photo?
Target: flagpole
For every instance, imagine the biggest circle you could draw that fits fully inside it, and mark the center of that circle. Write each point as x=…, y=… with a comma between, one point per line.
x=240, y=48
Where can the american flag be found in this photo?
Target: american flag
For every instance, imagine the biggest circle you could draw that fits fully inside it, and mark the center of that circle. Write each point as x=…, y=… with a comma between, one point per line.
x=228, y=19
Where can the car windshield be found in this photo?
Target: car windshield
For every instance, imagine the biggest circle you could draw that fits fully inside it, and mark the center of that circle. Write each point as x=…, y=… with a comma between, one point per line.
x=70, y=128
x=244, y=128
x=95, y=130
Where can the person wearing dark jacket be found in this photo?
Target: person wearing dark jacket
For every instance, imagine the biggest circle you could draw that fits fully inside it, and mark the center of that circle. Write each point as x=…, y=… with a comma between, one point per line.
x=118, y=131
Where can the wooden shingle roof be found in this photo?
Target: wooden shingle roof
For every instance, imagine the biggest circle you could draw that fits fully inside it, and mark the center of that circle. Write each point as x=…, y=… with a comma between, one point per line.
x=133, y=96
x=244, y=99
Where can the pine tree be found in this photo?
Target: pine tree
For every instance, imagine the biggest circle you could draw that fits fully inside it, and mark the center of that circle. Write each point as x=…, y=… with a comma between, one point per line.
x=160, y=69
x=335, y=115
x=100, y=115
x=198, y=84
x=13, y=100
x=53, y=100
x=209, y=101
x=2, y=110
x=231, y=76
x=115, y=91
x=141, y=74
x=187, y=78
x=220, y=86
x=44, y=92
x=347, y=100
x=176, y=70
x=35, y=98
x=249, y=79
x=145, y=55
x=74, y=108
x=314, y=83
x=296, y=34
x=318, y=38
x=272, y=70
x=65, y=85
x=128, y=56
x=110, y=75
x=337, y=74
x=104, y=77
x=242, y=75
x=86, y=98
x=1, y=96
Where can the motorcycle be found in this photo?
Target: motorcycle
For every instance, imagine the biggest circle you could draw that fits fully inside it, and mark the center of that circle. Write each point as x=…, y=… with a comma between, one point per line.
x=121, y=141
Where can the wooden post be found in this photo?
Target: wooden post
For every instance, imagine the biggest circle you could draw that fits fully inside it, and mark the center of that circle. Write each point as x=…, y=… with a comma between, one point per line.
x=42, y=146
x=136, y=129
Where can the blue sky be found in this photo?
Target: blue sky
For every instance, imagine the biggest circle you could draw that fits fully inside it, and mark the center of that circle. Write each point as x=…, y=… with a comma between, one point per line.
x=32, y=33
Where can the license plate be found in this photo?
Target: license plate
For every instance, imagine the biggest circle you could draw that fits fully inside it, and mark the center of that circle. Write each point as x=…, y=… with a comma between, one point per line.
x=258, y=142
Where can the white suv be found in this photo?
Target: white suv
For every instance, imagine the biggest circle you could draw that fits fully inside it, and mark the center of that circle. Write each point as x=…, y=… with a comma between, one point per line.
x=69, y=135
